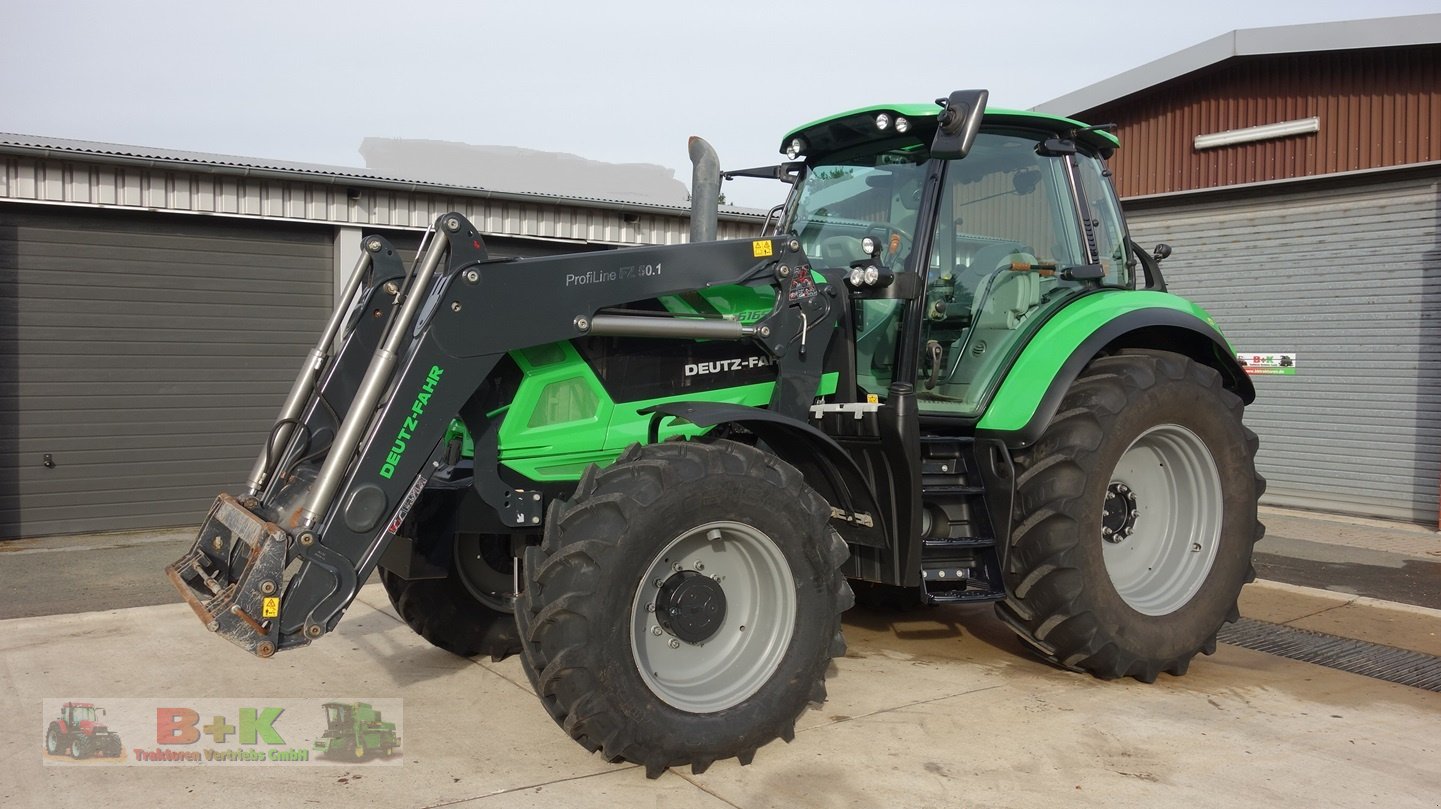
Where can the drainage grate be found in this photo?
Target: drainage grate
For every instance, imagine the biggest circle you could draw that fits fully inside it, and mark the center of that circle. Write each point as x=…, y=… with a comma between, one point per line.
x=1373, y=660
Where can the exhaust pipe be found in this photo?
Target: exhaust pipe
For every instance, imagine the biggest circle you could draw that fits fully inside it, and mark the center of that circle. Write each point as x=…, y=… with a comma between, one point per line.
x=705, y=180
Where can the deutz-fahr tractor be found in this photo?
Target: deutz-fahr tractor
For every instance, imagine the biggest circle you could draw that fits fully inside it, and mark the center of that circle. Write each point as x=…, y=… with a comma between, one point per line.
x=355, y=729
x=943, y=373
x=78, y=732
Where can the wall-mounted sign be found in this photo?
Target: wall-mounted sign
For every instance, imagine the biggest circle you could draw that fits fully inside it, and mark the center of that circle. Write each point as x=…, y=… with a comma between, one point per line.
x=1265, y=363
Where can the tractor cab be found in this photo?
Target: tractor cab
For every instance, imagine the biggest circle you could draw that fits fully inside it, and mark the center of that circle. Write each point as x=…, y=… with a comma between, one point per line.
x=75, y=713
x=337, y=718
x=983, y=242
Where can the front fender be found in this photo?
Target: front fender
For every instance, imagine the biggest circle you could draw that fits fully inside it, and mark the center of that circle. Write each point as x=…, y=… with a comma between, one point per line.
x=826, y=465
x=1031, y=392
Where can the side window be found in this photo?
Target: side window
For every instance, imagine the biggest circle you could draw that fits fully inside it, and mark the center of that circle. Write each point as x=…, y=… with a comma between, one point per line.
x=1006, y=225
x=1106, y=220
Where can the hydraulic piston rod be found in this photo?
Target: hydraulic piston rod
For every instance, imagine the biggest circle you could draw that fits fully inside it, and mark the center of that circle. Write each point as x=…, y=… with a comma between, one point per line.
x=376, y=380
x=309, y=373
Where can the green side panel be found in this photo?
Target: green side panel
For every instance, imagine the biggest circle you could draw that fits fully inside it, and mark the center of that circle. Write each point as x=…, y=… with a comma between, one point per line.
x=559, y=416
x=1031, y=375
x=562, y=420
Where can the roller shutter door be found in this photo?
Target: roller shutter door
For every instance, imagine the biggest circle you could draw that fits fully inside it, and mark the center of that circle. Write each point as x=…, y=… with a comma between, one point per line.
x=147, y=356
x=1349, y=278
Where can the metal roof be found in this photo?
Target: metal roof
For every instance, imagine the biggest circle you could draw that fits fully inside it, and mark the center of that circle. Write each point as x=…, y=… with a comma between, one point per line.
x=1384, y=32
x=148, y=157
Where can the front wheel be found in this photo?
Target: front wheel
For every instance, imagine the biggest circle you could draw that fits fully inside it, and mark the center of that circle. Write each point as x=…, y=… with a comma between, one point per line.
x=684, y=605
x=1135, y=519
x=470, y=611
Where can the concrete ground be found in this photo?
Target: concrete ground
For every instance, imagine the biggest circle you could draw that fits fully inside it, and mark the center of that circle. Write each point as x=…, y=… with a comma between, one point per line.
x=930, y=708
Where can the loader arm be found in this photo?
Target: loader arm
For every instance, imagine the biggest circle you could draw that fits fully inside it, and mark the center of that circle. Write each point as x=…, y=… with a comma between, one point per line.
x=276, y=568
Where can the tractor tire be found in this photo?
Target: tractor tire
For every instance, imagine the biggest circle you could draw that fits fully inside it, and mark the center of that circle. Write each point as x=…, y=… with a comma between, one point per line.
x=54, y=740
x=470, y=611
x=1136, y=589
x=731, y=546
x=78, y=748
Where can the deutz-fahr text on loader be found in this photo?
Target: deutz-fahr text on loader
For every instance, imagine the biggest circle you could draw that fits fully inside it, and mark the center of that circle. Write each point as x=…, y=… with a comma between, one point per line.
x=943, y=373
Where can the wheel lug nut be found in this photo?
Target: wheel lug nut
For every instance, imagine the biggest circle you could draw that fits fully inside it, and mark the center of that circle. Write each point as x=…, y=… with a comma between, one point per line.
x=674, y=644
x=700, y=565
x=650, y=608
x=655, y=630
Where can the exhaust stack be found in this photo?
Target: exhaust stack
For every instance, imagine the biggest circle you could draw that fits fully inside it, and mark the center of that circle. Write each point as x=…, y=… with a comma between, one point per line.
x=704, y=190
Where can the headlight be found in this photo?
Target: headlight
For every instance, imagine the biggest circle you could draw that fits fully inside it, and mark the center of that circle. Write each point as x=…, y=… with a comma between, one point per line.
x=796, y=149
x=902, y=125
x=868, y=245
x=872, y=275
x=857, y=276
x=883, y=122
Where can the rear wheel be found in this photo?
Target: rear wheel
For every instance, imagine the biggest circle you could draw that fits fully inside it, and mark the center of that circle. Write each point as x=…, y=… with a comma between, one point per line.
x=471, y=610
x=53, y=742
x=1135, y=519
x=684, y=605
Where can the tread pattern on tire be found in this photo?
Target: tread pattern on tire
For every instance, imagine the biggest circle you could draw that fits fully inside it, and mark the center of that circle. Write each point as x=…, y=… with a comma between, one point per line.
x=444, y=613
x=555, y=616
x=1047, y=601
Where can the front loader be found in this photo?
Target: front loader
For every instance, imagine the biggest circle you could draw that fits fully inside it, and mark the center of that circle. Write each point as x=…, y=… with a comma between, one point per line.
x=659, y=473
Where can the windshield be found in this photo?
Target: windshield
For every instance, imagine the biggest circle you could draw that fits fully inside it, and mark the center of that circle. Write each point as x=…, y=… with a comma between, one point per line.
x=840, y=203
x=84, y=714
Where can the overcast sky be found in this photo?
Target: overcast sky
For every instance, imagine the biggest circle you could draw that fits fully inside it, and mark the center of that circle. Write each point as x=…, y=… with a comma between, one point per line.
x=618, y=81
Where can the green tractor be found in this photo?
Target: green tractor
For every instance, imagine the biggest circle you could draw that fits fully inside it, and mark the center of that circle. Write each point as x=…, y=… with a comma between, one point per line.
x=944, y=374
x=355, y=731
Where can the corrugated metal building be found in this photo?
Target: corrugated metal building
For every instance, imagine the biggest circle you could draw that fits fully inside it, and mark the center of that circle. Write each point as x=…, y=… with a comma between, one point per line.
x=1297, y=173
x=155, y=305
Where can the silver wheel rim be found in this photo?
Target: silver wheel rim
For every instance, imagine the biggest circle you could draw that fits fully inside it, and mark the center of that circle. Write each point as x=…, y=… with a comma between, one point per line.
x=1175, y=530
x=746, y=648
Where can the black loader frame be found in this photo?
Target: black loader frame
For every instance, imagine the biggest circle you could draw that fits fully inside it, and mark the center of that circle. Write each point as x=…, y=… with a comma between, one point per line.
x=276, y=568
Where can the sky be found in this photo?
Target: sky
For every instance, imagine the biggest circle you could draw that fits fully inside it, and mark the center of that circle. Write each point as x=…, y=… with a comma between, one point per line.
x=629, y=82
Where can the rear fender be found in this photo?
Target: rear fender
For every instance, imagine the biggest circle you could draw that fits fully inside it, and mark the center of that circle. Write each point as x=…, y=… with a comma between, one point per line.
x=827, y=467
x=1031, y=393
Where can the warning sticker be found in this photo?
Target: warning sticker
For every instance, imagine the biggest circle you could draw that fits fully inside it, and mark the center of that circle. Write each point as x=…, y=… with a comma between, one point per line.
x=761, y=249
x=270, y=608
x=1268, y=363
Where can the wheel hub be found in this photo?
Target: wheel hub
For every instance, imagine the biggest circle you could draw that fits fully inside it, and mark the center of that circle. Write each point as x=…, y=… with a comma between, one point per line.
x=1118, y=513
x=691, y=606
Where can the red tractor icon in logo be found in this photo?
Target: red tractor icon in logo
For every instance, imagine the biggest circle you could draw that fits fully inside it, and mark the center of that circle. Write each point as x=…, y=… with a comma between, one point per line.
x=79, y=733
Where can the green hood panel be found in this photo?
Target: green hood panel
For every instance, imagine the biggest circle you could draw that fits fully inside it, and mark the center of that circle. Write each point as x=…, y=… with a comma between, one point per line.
x=561, y=418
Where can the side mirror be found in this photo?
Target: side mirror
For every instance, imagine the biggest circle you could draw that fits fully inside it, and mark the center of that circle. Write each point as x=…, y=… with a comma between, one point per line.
x=1151, y=264
x=960, y=120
